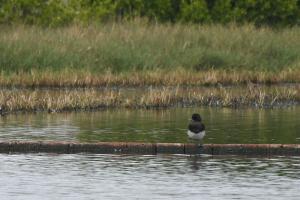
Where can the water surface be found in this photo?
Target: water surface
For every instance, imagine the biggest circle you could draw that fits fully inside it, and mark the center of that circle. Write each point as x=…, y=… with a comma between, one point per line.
x=224, y=125
x=89, y=176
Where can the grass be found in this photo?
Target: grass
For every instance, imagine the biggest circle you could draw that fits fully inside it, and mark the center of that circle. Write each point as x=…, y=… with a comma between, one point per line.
x=90, y=99
x=181, y=77
x=137, y=53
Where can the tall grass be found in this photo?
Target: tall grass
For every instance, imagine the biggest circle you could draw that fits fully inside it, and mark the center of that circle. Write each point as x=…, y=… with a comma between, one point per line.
x=91, y=99
x=138, y=46
x=177, y=77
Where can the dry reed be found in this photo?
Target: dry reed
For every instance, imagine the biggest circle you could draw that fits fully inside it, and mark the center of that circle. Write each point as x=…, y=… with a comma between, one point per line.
x=69, y=78
x=91, y=99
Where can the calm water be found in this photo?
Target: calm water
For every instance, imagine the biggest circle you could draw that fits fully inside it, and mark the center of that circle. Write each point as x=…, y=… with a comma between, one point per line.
x=224, y=125
x=45, y=176
x=89, y=176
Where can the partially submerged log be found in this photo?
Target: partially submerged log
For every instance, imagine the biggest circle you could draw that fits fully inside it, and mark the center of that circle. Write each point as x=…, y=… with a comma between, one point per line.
x=149, y=148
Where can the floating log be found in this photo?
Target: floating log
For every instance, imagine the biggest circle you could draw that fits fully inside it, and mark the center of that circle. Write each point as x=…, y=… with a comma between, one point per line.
x=149, y=148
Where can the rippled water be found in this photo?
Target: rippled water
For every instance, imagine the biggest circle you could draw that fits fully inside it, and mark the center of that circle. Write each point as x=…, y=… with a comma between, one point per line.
x=224, y=125
x=89, y=176
x=50, y=176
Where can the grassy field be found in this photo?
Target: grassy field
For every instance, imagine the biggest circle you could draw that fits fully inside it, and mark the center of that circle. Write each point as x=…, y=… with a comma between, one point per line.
x=138, y=54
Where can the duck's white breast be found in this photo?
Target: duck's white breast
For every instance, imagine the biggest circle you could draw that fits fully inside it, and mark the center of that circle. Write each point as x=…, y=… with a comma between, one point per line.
x=196, y=136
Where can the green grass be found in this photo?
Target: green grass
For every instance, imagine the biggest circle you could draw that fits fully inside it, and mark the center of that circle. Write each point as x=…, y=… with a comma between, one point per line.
x=138, y=46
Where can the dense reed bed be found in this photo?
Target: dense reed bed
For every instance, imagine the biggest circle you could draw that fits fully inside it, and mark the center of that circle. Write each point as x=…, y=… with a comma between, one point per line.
x=91, y=99
x=139, y=53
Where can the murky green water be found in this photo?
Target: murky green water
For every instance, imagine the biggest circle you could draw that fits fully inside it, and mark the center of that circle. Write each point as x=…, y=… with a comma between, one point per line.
x=224, y=125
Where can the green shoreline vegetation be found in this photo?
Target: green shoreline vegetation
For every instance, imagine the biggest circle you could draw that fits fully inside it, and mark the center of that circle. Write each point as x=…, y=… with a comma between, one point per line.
x=160, y=46
x=57, y=13
x=139, y=53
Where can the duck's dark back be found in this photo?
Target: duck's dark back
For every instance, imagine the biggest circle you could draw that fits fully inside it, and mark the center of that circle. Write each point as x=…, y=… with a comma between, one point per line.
x=196, y=127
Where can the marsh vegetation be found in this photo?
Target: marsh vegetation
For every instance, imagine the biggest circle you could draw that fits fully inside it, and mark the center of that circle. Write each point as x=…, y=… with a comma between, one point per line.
x=148, y=98
x=145, y=55
x=134, y=46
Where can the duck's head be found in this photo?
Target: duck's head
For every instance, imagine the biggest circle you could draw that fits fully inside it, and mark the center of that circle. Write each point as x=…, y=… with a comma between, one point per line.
x=196, y=117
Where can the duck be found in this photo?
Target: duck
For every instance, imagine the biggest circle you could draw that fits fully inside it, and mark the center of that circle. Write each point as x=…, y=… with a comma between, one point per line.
x=196, y=129
x=1, y=111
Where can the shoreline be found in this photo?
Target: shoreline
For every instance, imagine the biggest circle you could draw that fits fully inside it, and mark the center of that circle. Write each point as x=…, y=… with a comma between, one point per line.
x=58, y=100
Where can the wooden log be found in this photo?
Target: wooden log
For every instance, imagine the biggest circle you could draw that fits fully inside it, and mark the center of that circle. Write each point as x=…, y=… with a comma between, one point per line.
x=150, y=148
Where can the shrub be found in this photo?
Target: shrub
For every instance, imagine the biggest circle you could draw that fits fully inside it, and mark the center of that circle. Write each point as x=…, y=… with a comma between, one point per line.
x=62, y=12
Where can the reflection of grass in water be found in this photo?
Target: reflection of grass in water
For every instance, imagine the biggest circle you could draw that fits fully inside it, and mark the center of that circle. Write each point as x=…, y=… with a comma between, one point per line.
x=88, y=136
x=37, y=56
x=68, y=100
x=224, y=125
